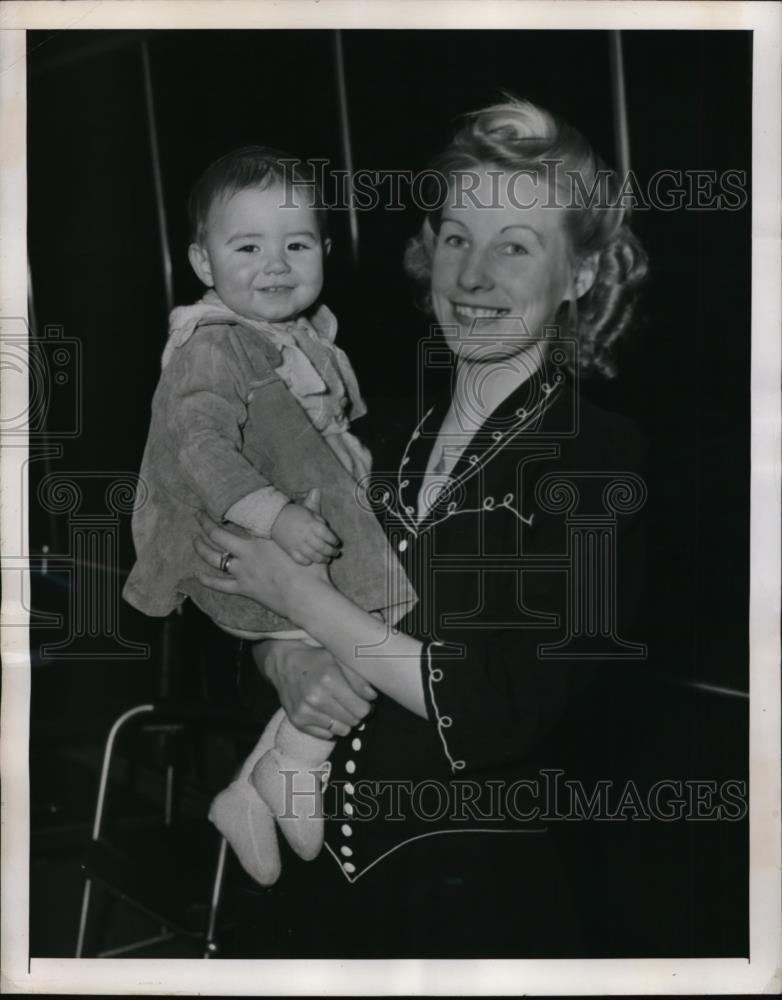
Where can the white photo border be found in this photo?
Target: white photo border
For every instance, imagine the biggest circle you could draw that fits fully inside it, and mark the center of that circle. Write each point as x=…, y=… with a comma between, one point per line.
x=403, y=977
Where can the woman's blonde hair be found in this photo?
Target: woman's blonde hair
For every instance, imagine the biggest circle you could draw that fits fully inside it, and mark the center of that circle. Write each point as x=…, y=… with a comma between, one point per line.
x=518, y=136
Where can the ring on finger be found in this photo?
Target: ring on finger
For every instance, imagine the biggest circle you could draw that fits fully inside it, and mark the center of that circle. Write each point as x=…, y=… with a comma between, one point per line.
x=225, y=561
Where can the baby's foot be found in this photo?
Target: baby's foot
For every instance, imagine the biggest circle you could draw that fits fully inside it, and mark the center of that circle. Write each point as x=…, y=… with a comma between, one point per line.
x=290, y=778
x=246, y=822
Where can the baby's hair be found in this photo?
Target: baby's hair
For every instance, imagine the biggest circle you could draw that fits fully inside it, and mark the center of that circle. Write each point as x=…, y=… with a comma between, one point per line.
x=519, y=136
x=258, y=167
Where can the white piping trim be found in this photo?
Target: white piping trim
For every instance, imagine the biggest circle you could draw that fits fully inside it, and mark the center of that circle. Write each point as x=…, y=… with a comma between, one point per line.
x=401, y=513
x=456, y=765
x=430, y=520
x=353, y=878
x=489, y=505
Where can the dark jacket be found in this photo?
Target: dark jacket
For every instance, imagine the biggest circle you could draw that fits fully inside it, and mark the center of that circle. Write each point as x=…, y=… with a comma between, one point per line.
x=528, y=571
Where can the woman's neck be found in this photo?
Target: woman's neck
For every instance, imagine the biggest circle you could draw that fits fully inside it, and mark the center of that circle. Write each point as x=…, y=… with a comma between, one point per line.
x=482, y=386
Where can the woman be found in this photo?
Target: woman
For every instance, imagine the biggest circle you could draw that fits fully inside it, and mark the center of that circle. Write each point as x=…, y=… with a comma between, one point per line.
x=437, y=842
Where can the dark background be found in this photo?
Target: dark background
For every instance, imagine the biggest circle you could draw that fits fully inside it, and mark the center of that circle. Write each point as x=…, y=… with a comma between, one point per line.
x=96, y=272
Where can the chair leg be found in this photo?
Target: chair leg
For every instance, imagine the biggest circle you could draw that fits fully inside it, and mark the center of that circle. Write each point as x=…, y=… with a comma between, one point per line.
x=108, y=751
x=97, y=825
x=217, y=888
x=85, y=906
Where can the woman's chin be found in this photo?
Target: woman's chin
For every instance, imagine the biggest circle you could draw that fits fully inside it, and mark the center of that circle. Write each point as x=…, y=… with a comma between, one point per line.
x=486, y=351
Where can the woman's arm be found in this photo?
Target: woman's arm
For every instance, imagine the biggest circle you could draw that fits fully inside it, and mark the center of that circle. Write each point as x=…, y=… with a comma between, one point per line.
x=260, y=570
x=389, y=660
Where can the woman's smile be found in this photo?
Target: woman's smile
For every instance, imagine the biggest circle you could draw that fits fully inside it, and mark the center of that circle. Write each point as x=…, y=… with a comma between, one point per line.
x=463, y=309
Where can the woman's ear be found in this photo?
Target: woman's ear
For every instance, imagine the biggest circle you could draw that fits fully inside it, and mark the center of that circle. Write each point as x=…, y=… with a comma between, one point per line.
x=199, y=261
x=585, y=275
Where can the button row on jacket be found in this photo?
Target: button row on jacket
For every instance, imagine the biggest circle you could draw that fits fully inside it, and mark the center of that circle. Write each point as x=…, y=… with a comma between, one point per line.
x=346, y=829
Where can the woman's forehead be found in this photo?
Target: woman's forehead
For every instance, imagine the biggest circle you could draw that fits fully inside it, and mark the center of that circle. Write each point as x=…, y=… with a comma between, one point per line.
x=490, y=197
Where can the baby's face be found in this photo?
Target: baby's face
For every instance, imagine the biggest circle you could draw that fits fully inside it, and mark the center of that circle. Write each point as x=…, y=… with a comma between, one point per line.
x=265, y=261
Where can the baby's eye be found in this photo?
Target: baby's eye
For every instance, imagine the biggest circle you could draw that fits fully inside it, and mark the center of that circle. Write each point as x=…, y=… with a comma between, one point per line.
x=249, y=248
x=298, y=245
x=513, y=249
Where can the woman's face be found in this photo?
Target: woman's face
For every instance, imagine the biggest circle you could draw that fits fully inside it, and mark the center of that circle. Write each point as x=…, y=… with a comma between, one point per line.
x=501, y=266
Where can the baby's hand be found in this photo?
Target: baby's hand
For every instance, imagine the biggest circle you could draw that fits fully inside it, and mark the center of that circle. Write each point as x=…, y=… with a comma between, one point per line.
x=304, y=536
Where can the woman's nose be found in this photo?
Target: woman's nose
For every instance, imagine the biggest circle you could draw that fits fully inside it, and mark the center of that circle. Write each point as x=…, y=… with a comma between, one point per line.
x=475, y=274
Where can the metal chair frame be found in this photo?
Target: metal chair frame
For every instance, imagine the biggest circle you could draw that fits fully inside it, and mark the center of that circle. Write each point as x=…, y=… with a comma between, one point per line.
x=210, y=945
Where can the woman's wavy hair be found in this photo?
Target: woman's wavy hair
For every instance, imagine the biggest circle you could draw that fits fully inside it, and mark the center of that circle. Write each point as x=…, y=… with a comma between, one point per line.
x=517, y=135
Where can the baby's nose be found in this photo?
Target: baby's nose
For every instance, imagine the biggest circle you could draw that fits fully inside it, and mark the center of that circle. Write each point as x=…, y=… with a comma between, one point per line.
x=276, y=263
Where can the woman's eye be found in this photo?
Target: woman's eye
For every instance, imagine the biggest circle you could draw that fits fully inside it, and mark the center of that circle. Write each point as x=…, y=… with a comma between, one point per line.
x=514, y=250
x=454, y=240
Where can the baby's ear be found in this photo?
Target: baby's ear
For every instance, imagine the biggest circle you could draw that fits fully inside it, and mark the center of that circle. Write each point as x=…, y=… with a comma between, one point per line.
x=327, y=246
x=199, y=261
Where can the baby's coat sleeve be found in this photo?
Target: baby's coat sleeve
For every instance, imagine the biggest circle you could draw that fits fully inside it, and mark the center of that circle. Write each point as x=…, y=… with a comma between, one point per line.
x=258, y=511
x=209, y=388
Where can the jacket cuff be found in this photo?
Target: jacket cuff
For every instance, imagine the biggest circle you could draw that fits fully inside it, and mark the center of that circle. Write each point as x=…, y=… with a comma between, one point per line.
x=258, y=511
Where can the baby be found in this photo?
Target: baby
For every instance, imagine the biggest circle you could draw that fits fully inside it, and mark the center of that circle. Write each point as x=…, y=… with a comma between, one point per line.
x=250, y=415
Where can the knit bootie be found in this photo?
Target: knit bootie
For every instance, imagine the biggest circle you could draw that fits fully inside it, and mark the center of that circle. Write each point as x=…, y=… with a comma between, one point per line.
x=245, y=820
x=290, y=779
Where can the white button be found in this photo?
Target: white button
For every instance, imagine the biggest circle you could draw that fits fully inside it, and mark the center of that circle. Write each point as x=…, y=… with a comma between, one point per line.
x=356, y=744
x=346, y=852
x=349, y=868
x=350, y=767
x=349, y=789
x=346, y=831
x=402, y=545
x=348, y=809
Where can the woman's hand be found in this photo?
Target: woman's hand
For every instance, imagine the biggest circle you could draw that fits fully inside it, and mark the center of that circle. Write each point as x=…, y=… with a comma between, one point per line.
x=319, y=696
x=258, y=568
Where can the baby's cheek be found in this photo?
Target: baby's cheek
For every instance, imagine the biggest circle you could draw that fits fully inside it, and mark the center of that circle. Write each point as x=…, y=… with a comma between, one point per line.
x=313, y=274
x=247, y=272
